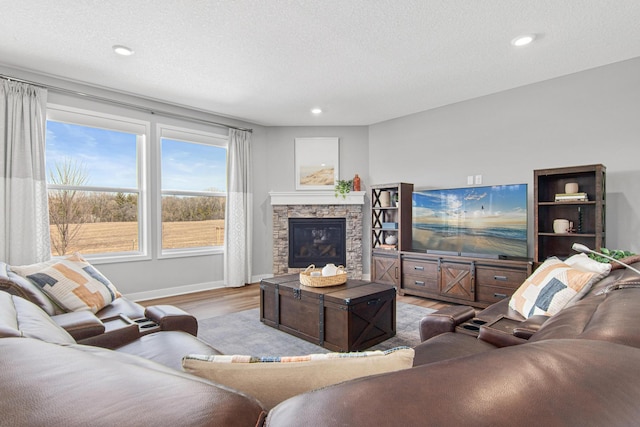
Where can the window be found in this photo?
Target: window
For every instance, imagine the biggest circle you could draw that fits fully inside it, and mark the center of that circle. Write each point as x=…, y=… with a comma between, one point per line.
x=193, y=187
x=95, y=183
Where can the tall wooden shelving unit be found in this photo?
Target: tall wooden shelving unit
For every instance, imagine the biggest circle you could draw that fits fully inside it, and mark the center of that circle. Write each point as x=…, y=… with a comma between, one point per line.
x=391, y=220
x=588, y=217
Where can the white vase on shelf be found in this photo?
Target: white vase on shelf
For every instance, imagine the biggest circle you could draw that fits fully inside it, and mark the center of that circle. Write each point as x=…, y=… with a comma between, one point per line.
x=385, y=199
x=391, y=239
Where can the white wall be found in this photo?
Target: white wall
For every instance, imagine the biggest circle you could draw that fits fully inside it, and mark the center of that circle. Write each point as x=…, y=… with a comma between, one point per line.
x=584, y=118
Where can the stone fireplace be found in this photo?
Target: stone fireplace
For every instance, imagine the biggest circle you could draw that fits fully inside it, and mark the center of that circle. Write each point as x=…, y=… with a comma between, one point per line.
x=317, y=205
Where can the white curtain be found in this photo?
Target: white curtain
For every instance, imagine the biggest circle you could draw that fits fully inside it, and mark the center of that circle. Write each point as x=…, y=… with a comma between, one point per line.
x=238, y=227
x=24, y=221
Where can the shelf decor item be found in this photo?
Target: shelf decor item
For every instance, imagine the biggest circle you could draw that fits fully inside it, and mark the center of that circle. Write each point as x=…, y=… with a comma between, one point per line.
x=571, y=187
x=356, y=183
x=560, y=226
x=343, y=187
x=391, y=239
x=571, y=197
x=313, y=281
x=385, y=199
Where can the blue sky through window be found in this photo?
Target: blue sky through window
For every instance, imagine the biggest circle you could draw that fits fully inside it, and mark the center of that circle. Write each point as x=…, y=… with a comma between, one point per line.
x=191, y=166
x=109, y=158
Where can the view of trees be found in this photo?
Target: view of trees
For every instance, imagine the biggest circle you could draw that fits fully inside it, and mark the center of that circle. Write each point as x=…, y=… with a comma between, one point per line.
x=192, y=208
x=70, y=209
x=66, y=207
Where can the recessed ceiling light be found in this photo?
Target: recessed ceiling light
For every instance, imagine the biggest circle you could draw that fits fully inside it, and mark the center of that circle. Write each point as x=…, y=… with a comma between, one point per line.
x=122, y=50
x=316, y=110
x=523, y=40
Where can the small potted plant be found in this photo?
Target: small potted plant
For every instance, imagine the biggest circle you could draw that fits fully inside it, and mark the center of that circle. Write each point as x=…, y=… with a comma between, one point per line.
x=343, y=186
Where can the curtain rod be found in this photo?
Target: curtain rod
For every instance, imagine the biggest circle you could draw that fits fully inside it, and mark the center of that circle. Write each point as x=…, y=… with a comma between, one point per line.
x=123, y=104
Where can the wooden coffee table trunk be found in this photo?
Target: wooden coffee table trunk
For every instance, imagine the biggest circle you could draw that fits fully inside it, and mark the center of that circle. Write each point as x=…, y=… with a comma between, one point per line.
x=349, y=317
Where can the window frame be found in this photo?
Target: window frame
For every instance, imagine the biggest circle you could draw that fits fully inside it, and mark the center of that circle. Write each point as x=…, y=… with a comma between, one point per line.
x=183, y=134
x=142, y=130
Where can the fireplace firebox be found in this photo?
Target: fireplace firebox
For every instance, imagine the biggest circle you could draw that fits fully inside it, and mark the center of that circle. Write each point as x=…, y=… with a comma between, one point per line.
x=317, y=241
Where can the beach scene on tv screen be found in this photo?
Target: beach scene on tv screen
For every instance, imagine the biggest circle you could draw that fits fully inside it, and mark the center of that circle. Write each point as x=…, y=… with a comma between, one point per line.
x=489, y=220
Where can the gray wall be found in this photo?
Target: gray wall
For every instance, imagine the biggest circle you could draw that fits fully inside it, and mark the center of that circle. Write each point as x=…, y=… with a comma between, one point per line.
x=274, y=171
x=584, y=118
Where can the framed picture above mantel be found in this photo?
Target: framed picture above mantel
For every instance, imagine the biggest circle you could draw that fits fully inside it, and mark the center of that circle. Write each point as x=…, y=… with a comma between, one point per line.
x=317, y=163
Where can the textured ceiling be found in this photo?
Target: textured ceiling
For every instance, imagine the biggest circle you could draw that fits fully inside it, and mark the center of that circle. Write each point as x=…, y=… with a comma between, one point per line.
x=270, y=61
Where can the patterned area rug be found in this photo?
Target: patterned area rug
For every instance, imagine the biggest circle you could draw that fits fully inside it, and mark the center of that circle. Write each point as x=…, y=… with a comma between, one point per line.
x=243, y=333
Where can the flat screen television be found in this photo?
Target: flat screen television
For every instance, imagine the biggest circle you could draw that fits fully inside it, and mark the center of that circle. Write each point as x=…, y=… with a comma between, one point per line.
x=488, y=221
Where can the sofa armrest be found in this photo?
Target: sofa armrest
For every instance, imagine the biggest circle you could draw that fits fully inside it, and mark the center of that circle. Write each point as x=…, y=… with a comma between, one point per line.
x=80, y=324
x=530, y=326
x=444, y=320
x=118, y=332
x=171, y=318
x=499, y=338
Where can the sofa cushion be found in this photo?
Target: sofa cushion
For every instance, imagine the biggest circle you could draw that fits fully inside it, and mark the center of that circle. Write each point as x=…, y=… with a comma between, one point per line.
x=22, y=318
x=583, y=263
x=167, y=347
x=22, y=287
x=72, y=283
x=274, y=379
x=550, y=288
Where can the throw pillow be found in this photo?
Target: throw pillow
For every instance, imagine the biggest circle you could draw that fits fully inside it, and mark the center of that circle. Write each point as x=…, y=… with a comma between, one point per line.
x=274, y=379
x=550, y=288
x=583, y=263
x=72, y=283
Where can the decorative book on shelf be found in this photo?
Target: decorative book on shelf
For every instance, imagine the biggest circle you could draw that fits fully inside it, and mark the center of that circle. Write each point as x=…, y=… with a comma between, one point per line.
x=571, y=197
x=386, y=246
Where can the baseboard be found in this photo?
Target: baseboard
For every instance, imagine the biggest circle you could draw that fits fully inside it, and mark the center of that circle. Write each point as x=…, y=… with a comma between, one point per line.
x=171, y=292
x=198, y=287
x=259, y=277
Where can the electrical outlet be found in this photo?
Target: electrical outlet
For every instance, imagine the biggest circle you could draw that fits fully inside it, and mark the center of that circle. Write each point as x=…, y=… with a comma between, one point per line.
x=478, y=179
x=470, y=180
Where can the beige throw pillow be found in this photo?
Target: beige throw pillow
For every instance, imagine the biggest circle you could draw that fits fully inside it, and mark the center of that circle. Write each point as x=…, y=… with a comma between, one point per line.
x=550, y=288
x=272, y=380
x=71, y=282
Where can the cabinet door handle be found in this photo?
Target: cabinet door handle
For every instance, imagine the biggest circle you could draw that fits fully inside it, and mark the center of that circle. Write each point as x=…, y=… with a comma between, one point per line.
x=500, y=295
x=419, y=282
x=396, y=272
x=418, y=267
x=503, y=278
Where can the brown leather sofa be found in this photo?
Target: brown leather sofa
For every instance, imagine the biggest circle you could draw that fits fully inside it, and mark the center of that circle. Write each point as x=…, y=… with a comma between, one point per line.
x=89, y=328
x=47, y=378
x=579, y=367
x=61, y=368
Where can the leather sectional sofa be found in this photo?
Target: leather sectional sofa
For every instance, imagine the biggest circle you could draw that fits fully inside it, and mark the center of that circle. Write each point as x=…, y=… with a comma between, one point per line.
x=578, y=367
x=121, y=366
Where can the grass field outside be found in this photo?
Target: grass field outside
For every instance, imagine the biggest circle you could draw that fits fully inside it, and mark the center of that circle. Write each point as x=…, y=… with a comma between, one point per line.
x=108, y=237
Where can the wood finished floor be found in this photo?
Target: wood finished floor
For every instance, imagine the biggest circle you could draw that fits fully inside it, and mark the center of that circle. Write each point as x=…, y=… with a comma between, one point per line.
x=217, y=302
